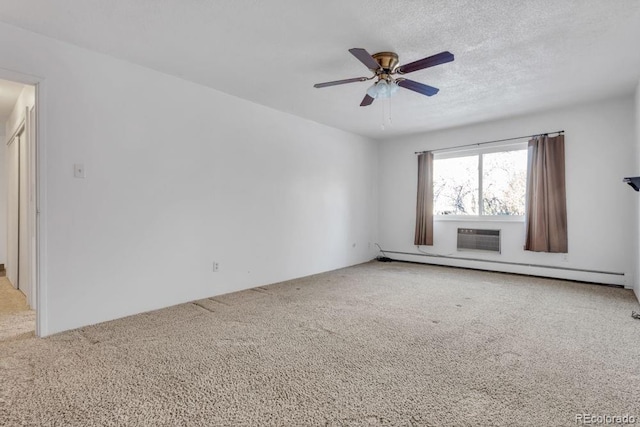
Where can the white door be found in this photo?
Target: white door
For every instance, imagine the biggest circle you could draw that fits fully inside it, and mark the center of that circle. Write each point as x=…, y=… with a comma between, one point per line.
x=13, y=209
x=24, y=271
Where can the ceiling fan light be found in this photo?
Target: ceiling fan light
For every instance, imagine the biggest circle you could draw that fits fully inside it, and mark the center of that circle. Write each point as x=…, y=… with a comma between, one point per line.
x=393, y=88
x=386, y=89
x=373, y=91
x=383, y=89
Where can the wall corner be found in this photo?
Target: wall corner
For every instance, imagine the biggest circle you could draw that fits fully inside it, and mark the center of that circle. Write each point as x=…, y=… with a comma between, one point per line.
x=636, y=268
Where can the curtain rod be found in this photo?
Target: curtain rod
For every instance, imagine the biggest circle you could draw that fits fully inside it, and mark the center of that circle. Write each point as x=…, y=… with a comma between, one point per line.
x=490, y=142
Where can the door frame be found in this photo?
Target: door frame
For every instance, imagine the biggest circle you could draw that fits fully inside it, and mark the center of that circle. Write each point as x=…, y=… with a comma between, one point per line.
x=37, y=207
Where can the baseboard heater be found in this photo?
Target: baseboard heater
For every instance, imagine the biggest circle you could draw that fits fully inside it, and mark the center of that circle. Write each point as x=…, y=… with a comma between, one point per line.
x=475, y=239
x=491, y=261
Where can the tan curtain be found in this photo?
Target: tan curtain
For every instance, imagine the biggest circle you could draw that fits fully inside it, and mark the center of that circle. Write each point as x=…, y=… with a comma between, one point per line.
x=424, y=208
x=546, y=210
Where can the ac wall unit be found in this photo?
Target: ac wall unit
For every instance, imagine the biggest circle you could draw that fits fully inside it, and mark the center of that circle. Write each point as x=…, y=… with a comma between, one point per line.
x=475, y=239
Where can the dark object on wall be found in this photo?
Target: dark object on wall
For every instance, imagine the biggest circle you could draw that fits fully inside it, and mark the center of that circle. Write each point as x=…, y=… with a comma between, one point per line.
x=633, y=181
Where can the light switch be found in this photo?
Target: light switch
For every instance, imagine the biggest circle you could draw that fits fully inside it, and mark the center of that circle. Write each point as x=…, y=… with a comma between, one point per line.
x=78, y=170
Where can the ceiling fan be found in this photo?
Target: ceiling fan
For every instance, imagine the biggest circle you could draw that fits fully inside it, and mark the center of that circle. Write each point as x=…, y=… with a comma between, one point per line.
x=384, y=65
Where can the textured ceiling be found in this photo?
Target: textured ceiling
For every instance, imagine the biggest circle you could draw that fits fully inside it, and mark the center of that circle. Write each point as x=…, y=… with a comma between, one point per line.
x=9, y=93
x=512, y=56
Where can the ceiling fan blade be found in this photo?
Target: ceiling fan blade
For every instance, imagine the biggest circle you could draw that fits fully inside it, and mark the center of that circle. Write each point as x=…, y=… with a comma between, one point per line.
x=365, y=57
x=340, y=82
x=430, y=61
x=366, y=101
x=417, y=87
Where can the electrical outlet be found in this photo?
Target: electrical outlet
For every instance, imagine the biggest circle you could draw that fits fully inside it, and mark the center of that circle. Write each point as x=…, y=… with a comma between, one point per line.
x=215, y=266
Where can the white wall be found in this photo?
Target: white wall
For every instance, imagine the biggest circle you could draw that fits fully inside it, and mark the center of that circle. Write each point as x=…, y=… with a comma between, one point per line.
x=180, y=175
x=3, y=197
x=600, y=151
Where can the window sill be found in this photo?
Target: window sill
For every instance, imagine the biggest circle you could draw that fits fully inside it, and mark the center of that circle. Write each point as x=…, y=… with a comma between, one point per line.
x=479, y=218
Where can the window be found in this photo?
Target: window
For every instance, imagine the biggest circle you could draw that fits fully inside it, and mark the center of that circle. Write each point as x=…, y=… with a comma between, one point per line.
x=483, y=182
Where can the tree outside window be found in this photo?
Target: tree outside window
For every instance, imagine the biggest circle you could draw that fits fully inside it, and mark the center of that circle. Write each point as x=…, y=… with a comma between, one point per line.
x=491, y=183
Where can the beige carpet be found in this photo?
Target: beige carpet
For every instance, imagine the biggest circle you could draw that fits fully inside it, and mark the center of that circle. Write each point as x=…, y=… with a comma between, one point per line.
x=17, y=321
x=389, y=344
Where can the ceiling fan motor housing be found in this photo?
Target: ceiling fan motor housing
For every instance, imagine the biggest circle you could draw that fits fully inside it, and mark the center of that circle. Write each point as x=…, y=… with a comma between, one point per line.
x=388, y=62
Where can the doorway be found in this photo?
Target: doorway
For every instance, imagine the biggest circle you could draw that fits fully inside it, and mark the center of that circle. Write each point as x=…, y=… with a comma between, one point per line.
x=18, y=201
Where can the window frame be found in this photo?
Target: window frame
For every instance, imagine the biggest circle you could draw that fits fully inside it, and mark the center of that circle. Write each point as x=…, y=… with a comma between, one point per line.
x=479, y=151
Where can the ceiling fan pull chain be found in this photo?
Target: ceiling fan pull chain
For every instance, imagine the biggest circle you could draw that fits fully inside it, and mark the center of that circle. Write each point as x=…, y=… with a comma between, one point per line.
x=386, y=113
